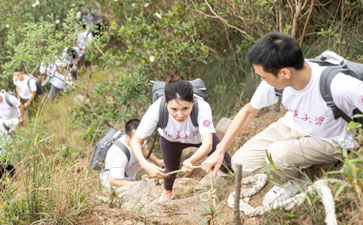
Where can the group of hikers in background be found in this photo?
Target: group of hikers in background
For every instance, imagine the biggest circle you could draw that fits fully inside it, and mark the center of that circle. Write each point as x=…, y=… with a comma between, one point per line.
x=59, y=75
x=310, y=132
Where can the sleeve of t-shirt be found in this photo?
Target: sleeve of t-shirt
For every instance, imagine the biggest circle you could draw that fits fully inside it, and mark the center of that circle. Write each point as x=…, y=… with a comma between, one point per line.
x=264, y=96
x=78, y=51
x=79, y=15
x=118, y=165
x=42, y=68
x=347, y=93
x=32, y=85
x=205, y=119
x=149, y=121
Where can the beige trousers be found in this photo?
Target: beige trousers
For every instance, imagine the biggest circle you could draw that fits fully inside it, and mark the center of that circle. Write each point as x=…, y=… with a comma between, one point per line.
x=289, y=149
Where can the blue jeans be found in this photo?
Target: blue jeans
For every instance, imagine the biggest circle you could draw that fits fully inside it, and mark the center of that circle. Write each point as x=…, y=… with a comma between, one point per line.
x=52, y=92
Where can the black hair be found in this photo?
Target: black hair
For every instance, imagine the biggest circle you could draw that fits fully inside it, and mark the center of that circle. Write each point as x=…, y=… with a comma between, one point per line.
x=275, y=51
x=176, y=87
x=18, y=69
x=131, y=125
x=72, y=52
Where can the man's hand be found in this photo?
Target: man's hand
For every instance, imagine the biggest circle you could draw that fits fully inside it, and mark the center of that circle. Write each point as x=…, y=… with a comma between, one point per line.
x=153, y=170
x=214, y=161
x=26, y=104
x=21, y=120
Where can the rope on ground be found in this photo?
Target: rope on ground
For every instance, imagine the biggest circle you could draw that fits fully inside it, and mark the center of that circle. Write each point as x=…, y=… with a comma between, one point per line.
x=260, y=180
x=211, y=194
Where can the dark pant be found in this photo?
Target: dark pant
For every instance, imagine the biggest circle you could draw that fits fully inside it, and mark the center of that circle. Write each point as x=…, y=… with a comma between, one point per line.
x=172, y=152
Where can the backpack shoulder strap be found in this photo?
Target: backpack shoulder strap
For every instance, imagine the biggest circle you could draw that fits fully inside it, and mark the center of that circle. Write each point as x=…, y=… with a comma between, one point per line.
x=124, y=149
x=278, y=94
x=194, y=113
x=326, y=78
x=7, y=100
x=163, y=114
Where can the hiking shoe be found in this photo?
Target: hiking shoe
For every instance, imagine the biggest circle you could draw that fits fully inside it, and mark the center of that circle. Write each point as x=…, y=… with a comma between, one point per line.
x=279, y=194
x=166, y=196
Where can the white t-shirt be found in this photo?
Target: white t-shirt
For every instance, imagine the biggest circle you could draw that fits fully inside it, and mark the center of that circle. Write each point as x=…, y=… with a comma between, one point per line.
x=116, y=164
x=84, y=39
x=24, y=91
x=184, y=132
x=49, y=69
x=309, y=113
x=68, y=59
x=7, y=111
x=58, y=80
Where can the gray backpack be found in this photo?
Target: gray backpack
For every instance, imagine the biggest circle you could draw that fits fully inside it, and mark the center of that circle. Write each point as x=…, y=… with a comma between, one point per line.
x=334, y=64
x=101, y=148
x=7, y=98
x=199, y=90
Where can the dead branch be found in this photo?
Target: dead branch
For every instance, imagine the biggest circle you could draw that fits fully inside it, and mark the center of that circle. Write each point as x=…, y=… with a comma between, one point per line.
x=306, y=22
x=237, y=192
x=226, y=23
x=298, y=9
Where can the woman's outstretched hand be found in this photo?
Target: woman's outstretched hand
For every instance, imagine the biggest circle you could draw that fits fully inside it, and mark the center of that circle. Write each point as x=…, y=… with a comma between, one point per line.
x=153, y=170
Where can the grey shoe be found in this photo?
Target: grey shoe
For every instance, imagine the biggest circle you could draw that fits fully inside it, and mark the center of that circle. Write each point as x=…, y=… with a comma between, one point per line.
x=279, y=194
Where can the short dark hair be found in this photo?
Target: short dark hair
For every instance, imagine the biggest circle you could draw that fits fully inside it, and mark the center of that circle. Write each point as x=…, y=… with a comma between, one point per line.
x=275, y=51
x=18, y=69
x=131, y=125
x=176, y=87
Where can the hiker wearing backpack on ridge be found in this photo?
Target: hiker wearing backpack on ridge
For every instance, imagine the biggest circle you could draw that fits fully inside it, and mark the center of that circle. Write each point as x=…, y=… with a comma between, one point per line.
x=307, y=134
x=120, y=164
x=179, y=132
x=11, y=113
x=26, y=89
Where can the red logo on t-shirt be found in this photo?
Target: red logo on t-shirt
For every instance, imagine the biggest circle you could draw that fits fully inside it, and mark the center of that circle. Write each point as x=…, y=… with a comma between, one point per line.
x=206, y=123
x=361, y=100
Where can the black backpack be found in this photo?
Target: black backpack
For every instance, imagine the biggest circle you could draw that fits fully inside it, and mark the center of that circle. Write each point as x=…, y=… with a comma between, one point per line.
x=37, y=83
x=199, y=90
x=101, y=148
x=335, y=64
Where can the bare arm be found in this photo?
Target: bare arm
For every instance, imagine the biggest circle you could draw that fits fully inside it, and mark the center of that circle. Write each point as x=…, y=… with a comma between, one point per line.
x=240, y=122
x=17, y=92
x=152, y=169
x=21, y=109
x=118, y=182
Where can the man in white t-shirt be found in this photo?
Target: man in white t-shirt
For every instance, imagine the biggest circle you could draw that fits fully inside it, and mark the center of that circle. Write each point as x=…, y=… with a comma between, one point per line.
x=307, y=134
x=120, y=171
x=11, y=113
x=84, y=38
x=71, y=57
x=26, y=88
x=56, y=78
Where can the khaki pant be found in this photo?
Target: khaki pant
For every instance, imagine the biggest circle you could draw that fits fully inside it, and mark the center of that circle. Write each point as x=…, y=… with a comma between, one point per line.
x=289, y=149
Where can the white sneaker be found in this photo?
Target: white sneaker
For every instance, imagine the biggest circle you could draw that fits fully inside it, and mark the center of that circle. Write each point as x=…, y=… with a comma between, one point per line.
x=220, y=173
x=279, y=194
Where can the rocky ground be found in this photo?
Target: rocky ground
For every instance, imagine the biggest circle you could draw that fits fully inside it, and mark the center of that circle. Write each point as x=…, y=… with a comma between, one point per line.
x=139, y=204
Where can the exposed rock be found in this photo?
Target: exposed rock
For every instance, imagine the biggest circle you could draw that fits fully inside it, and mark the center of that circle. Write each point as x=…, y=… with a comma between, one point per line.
x=222, y=127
